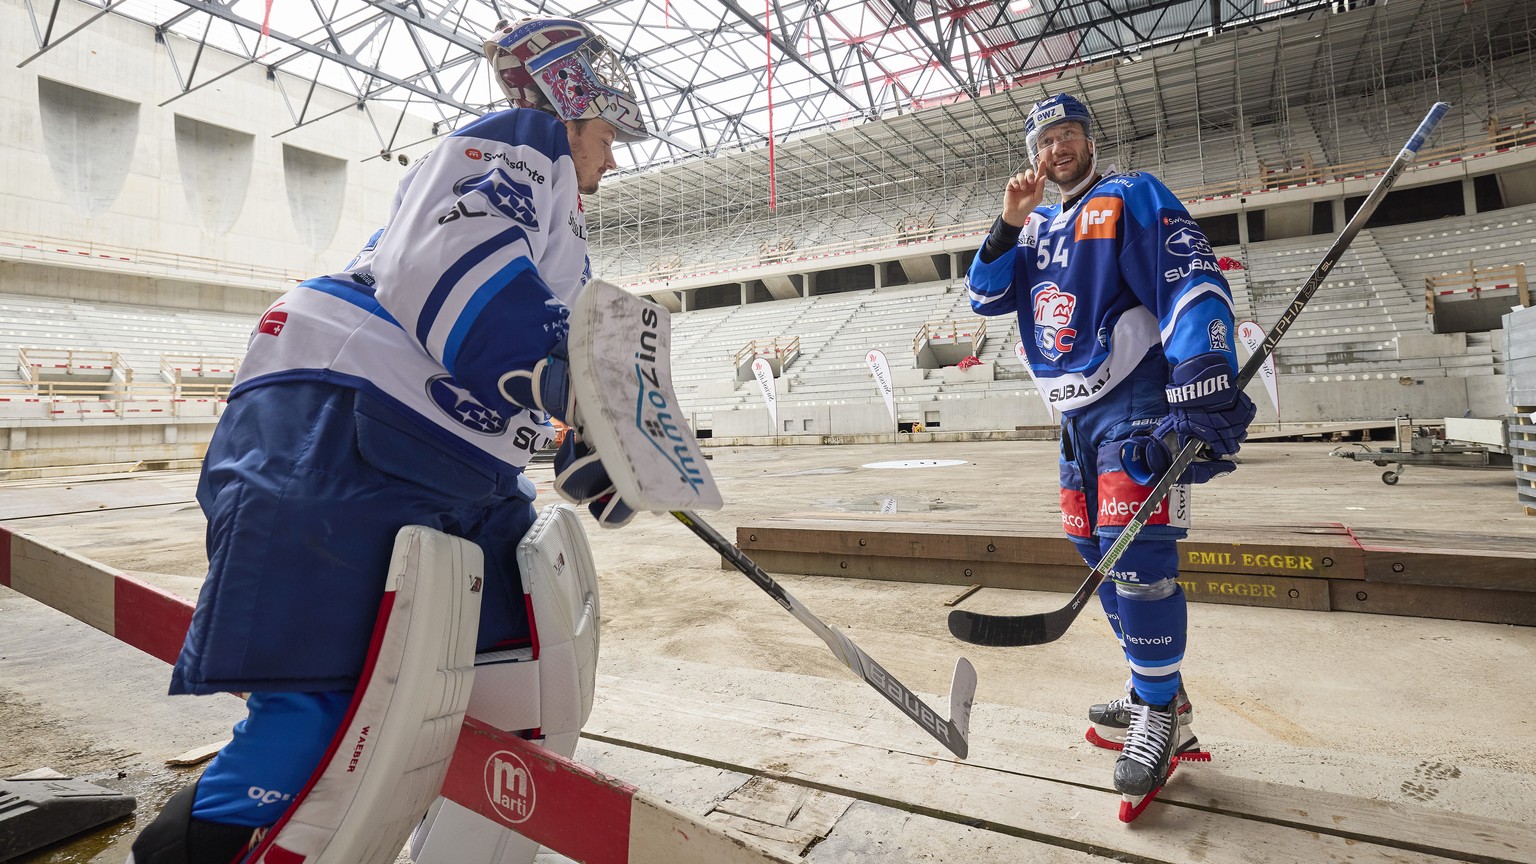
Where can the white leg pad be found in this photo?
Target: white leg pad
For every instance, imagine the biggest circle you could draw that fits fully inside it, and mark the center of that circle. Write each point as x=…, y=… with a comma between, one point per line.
x=547, y=688
x=390, y=755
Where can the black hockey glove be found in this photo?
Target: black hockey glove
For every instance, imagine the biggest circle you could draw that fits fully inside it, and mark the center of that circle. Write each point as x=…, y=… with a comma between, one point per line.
x=1204, y=404
x=580, y=478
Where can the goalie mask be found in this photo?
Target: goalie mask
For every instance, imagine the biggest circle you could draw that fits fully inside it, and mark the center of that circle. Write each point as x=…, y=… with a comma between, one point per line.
x=560, y=66
x=1047, y=113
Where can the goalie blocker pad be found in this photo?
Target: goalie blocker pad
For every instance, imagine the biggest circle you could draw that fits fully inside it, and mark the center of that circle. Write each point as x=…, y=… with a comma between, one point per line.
x=545, y=690
x=621, y=372
x=388, y=759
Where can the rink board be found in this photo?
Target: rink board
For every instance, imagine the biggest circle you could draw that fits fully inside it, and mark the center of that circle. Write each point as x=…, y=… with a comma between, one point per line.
x=585, y=815
x=1319, y=567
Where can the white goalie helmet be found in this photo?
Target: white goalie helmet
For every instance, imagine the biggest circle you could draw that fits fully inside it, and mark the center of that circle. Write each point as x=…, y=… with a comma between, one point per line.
x=561, y=66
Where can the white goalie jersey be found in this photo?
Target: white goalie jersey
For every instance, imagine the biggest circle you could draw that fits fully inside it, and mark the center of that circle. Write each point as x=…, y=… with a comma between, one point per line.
x=472, y=277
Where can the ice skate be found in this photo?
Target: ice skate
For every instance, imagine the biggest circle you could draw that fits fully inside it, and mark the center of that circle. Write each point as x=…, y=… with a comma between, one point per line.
x=1148, y=757
x=1111, y=720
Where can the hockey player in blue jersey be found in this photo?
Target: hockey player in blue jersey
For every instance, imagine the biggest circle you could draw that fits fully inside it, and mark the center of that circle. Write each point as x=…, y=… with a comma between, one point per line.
x=1127, y=323
x=409, y=389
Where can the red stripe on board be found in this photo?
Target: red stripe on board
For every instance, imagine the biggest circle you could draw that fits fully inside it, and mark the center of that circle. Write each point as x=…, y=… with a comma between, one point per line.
x=5, y=557
x=566, y=806
x=149, y=619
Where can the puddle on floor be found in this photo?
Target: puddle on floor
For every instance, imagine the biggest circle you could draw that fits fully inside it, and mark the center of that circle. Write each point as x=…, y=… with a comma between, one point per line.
x=890, y=504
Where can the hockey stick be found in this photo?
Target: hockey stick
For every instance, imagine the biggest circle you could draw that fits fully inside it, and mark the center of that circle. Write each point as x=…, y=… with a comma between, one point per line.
x=1039, y=628
x=952, y=733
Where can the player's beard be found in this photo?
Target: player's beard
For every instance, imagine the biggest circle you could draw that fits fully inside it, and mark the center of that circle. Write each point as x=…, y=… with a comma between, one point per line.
x=1081, y=164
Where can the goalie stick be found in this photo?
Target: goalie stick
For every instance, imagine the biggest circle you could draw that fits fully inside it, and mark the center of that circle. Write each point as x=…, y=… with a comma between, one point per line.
x=621, y=376
x=952, y=733
x=1042, y=627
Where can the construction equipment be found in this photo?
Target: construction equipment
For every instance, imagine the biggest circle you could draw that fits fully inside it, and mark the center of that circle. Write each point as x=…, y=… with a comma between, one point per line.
x=1461, y=443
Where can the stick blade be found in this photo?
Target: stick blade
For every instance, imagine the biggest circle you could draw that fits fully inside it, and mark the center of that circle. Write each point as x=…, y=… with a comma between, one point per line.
x=1002, y=631
x=962, y=695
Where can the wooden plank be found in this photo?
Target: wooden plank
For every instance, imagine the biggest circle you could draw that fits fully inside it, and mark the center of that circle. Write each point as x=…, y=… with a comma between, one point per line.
x=1060, y=577
x=1279, y=592
x=1237, y=822
x=1499, y=571
x=782, y=816
x=1308, y=551
x=1237, y=589
x=962, y=595
x=1435, y=601
x=911, y=540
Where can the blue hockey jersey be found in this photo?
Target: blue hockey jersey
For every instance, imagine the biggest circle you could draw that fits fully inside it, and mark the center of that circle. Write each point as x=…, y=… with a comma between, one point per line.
x=1123, y=273
x=484, y=251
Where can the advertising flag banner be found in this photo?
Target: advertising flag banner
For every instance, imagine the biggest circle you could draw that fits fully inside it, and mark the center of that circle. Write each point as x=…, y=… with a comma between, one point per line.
x=762, y=370
x=882, y=372
x=1252, y=336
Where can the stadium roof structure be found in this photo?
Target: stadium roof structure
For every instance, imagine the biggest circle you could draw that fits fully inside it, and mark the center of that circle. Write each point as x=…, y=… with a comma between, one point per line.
x=701, y=66
x=1188, y=98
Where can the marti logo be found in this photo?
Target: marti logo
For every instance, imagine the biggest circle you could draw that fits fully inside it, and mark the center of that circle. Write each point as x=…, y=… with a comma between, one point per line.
x=509, y=786
x=1053, y=312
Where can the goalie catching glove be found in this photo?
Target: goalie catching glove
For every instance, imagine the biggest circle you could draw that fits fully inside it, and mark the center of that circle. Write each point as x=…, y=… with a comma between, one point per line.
x=1203, y=404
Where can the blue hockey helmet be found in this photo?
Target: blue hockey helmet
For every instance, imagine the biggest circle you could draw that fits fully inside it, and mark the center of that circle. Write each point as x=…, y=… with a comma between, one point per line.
x=1047, y=113
x=561, y=66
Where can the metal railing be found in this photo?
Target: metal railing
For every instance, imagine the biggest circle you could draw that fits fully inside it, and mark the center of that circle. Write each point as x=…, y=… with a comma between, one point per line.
x=974, y=329
x=1474, y=281
x=778, y=347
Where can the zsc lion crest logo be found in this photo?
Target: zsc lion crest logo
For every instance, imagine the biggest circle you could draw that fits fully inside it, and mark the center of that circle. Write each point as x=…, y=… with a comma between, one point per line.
x=1053, y=312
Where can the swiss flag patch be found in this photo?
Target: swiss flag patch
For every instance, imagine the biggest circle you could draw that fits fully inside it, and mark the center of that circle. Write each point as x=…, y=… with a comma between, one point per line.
x=273, y=322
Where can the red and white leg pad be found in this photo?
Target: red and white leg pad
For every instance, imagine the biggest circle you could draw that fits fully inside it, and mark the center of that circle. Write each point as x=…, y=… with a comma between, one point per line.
x=389, y=757
x=544, y=691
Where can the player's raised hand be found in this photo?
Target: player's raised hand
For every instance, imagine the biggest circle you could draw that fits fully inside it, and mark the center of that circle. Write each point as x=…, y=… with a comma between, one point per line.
x=1025, y=191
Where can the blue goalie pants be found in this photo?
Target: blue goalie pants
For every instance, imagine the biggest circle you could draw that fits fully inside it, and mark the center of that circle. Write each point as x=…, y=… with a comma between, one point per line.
x=305, y=486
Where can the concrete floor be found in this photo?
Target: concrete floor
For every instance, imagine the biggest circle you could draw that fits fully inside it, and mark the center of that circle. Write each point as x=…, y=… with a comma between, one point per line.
x=705, y=682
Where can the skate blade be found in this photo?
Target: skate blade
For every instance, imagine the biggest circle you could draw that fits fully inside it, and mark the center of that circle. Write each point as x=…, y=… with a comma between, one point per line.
x=1132, y=806
x=1098, y=740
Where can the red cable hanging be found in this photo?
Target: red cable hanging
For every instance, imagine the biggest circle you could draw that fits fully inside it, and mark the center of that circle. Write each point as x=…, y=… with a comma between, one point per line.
x=768, y=52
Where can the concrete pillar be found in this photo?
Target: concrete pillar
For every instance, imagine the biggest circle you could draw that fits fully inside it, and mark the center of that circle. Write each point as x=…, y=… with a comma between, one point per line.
x=1242, y=228
x=809, y=288
x=686, y=296
x=746, y=293
x=1339, y=219
x=878, y=275
x=1468, y=195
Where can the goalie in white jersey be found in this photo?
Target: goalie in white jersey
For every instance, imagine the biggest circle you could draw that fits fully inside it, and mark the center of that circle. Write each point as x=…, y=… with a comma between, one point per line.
x=409, y=389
